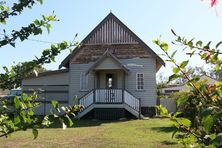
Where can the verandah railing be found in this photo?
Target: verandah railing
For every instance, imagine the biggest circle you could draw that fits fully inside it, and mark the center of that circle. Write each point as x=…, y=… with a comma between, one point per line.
x=111, y=96
x=108, y=96
x=87, y=100
x=132, y=101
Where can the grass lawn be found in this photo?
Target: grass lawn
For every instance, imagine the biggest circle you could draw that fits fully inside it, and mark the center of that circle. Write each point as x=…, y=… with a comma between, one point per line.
x=87, y=133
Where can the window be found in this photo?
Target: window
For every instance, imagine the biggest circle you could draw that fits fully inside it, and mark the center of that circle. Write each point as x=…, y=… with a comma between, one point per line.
x=171, y=91
x=140, y=81
x=83, y=81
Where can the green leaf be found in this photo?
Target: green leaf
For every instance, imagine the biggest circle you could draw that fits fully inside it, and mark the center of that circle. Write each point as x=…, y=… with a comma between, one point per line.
x=163, y=110
x=54, y=103
x=37, y=22
x=184, y=64
x=35, y=132
x=5, y=69
x=17, y=102
x=182, y=100
x=217, y=67
x=40, y=1
x=70, y=122
x=30, y=112
x=208, y=122
x=176, y=70
x=208, y=45
x=48, y=26
x=193, y=80
x=164, y=46
x=17, y=120
x=174, y=132
x=173, y=54
x=173, y=32
x=173, y=77
x=199, y=43
x=63, y=45
x=184, y=121
x=207, y=111
x=46, y=52
x=190, y=44
x=217, y=142
x=218, y=44
x=157, y=42
x=51, y=18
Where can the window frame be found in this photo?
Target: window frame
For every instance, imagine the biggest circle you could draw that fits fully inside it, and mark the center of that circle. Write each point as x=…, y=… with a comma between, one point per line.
x=142, y=85
x=83, y=76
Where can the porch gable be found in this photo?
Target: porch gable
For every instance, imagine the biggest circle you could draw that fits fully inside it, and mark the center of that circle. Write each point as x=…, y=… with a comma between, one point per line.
x=107, y=62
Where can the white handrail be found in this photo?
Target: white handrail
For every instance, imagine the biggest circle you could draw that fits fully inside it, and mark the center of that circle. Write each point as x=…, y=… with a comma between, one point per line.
x=87, y=100
x=132, y=101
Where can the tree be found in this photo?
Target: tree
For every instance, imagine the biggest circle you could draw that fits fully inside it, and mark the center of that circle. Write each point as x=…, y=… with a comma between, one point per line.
x=193, y=72
x=203, y=126
x=18, y=114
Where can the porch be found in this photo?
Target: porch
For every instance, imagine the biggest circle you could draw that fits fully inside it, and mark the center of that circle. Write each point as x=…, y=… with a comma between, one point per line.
x=110, y=99
x=109, y=88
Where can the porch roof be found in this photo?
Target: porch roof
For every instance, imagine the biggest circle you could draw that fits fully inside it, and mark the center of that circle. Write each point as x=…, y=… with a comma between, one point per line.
x=103, y=57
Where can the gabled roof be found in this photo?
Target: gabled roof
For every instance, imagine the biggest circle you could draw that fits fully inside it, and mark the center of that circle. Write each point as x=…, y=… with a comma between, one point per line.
x=131, y=37
x=103, y=57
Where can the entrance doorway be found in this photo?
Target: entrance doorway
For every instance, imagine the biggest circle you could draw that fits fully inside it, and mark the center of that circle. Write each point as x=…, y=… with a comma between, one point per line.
x=109, y=81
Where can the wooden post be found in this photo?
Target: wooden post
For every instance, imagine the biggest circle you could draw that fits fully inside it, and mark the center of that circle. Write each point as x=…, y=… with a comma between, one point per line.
x=139, y=108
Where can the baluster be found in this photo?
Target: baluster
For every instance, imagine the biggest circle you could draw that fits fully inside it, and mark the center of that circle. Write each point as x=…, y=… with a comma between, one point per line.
x=99, y=96
x=131, y=101
x=96, y=95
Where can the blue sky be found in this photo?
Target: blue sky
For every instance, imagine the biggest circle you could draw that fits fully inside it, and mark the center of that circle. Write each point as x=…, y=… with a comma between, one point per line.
x=148, y=19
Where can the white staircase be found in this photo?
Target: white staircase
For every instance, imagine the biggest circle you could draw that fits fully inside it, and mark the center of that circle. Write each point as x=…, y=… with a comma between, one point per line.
x=110, y=98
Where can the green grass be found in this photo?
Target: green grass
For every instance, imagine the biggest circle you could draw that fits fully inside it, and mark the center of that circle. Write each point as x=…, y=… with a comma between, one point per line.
x=87, y=133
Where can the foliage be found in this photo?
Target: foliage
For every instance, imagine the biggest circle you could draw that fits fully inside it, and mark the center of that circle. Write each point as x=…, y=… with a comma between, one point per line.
x=18, y=113
x=202, y=125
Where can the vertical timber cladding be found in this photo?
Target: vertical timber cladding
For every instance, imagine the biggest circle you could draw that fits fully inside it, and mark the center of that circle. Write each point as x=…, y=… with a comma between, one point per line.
x=111, y=32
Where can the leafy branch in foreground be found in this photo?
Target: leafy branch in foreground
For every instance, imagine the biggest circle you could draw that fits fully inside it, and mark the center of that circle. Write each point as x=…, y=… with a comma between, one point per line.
x=199, y=124
x=16, y=9
x=18, y=115
x=34, y=28
x=12, y=78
